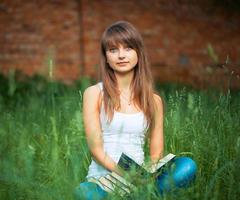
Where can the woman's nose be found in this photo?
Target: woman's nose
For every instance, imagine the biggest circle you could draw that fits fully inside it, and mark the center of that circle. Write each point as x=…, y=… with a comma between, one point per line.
x=121, y=54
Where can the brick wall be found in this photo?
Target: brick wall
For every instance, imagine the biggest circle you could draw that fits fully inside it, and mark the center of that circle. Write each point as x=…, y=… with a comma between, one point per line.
x=32, y=32
x=176, y=36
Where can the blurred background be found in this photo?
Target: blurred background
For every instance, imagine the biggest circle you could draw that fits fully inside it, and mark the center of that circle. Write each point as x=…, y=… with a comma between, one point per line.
x=49, y=54
x=188, y=41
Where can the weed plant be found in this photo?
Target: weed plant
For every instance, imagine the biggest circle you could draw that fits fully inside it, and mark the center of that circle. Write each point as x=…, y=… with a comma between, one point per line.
x=44, y=154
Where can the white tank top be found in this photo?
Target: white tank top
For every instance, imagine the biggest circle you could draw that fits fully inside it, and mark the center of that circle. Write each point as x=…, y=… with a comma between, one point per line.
x=125, y=133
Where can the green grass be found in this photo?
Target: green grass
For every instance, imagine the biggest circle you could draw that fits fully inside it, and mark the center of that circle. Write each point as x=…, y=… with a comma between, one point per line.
x=44, y=153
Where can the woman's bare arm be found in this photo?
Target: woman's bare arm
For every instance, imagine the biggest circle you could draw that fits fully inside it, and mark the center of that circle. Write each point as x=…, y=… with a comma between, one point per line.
x=156, y=135
x=93, y=128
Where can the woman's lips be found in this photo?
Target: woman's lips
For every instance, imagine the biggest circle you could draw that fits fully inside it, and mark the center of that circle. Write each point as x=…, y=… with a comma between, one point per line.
x=122, y=63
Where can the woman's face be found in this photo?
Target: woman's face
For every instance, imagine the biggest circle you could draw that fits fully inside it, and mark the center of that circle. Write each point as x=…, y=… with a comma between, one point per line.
x=122, y=59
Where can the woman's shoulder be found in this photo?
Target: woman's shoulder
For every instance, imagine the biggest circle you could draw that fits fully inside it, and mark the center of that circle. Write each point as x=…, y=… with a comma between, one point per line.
x=158, y=100
x=92, y=90
x=92, y=95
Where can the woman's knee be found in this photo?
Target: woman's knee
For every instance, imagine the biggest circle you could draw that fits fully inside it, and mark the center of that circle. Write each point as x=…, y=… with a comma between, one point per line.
x=89, y=191
x=80, y=191
x=181, y=173
x=184, y=171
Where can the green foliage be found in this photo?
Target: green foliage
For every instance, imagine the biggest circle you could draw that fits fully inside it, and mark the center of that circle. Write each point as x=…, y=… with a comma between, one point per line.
x=44, y=153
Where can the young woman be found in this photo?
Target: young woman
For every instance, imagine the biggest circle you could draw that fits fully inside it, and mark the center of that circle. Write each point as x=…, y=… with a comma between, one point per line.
x=122, y=110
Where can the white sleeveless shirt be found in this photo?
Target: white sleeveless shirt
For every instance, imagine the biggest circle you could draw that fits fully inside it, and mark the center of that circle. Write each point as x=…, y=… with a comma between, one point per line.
x=125, y=133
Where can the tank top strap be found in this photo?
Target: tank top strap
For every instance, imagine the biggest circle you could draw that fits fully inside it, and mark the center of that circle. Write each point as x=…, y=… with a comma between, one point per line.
x=100, y=85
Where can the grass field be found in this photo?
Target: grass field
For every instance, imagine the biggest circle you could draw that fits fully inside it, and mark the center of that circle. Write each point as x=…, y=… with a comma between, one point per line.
x=44, y=154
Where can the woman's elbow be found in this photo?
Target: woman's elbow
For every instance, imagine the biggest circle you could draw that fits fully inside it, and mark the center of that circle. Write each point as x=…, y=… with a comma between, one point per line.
x=97, y=153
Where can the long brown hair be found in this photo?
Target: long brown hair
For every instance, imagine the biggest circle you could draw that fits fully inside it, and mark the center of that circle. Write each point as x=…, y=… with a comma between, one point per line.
x=124, y=33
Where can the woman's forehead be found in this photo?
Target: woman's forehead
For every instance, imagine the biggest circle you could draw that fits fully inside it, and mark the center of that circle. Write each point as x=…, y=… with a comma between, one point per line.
x=116, y=44
x=117, y=39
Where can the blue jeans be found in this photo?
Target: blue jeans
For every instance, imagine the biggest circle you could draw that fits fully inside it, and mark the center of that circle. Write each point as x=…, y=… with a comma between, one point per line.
x=89, y=191
x=179, y=174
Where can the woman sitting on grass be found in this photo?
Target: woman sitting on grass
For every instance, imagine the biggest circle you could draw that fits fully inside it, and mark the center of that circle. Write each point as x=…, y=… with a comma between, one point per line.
x=120, y=110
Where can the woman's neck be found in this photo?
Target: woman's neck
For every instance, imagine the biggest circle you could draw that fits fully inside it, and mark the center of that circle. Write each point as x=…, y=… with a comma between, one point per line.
x=124, y=80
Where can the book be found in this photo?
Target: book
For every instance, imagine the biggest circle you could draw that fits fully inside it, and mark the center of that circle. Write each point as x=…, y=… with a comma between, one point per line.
x=116, y=183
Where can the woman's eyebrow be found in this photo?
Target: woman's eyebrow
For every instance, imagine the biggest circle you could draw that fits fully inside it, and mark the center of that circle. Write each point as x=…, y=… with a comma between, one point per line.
x=112, y=46
x=116, y=46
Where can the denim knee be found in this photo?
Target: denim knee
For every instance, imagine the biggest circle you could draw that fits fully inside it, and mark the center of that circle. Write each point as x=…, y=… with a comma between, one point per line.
x=89, y=191
x=185, y=171
x=180, y=173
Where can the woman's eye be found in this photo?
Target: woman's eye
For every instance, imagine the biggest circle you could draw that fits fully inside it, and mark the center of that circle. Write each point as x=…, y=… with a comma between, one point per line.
x=114, y=50
x=128, y=48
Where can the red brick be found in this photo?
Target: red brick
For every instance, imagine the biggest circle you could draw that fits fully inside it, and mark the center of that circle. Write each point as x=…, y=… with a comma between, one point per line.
x=171, y=30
